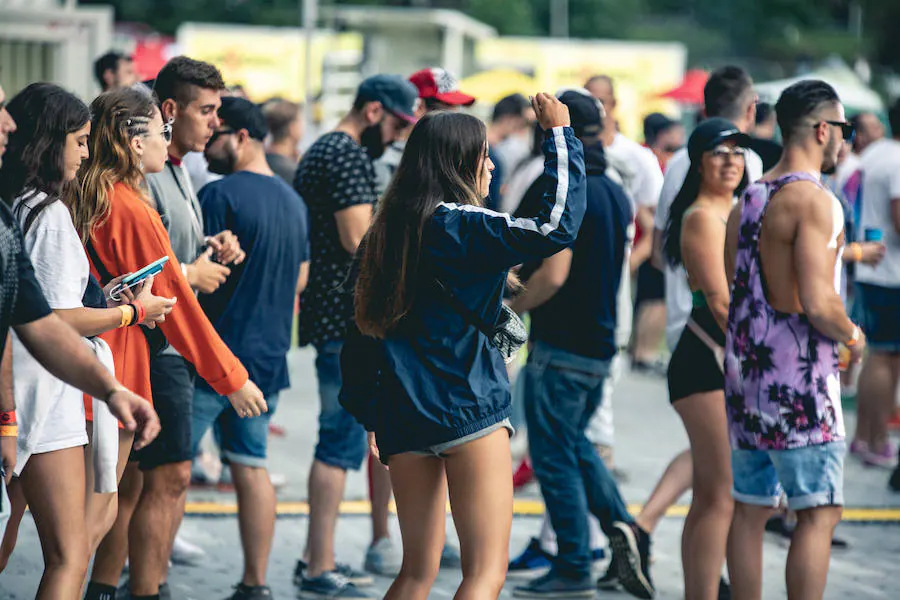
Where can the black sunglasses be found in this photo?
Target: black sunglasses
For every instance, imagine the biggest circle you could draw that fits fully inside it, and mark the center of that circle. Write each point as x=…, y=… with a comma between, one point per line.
x=847, y=130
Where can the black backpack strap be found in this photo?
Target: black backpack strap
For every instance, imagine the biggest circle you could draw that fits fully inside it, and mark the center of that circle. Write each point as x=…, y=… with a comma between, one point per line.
x=105, y=276
x=464, y=311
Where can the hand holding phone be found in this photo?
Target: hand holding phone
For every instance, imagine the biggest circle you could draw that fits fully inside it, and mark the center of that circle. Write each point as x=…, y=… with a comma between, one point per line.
x=137, y=277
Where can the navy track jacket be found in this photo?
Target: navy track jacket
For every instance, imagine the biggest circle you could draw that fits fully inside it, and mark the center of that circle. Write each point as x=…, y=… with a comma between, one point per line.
x=437, y=378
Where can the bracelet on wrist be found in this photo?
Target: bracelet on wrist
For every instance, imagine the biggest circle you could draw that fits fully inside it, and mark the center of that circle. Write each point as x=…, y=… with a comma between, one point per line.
x=854, y=339
x=126, y=314
x=113, y=392
x=9, y=430
x=140, y=312
x=856, y=249
x=7, y=417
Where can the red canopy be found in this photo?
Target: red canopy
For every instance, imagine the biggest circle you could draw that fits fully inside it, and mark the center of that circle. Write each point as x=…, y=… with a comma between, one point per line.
x=690, y=90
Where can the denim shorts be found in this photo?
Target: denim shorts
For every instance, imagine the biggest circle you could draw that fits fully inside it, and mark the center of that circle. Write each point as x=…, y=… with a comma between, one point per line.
x=342, y=440
x=810, y=477
x=242, y=441
x=440, y=450
x=875, y=309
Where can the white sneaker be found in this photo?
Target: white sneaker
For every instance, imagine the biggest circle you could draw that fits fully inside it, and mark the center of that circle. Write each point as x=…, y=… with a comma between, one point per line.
x=186, y=553
x=383, y=558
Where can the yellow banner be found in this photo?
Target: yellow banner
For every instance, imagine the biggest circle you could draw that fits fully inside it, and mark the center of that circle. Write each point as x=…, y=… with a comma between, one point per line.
x=639, y=70
x=267, y=61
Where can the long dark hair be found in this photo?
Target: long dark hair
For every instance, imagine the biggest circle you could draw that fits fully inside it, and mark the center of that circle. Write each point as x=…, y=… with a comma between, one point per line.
x=682, y=202
x=44, y=114
x=442, y=162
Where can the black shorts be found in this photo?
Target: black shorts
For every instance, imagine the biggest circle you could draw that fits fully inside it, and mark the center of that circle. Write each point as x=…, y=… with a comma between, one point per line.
x=693, y=368
x=172, y=384
x=651, y=284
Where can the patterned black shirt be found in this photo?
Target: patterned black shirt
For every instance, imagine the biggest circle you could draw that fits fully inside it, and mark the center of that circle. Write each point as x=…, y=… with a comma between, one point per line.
x=335, y=173
x=21, y=298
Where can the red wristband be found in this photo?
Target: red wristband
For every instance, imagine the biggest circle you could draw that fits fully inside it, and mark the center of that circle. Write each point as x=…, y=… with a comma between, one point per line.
x=7, y=418
x=141, y=312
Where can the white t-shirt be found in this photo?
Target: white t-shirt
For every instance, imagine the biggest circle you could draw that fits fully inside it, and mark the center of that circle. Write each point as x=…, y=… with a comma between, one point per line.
x=845, y=170
x=51, y=413
x=880, y=164
x=639, y=169
x=678, y=292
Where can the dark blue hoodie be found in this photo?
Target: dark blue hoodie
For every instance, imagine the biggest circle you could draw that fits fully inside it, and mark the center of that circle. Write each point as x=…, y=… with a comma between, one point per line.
x=437, y=378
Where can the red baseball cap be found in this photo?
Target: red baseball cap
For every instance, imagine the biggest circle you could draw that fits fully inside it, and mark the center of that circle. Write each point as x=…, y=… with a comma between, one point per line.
x=442, y=86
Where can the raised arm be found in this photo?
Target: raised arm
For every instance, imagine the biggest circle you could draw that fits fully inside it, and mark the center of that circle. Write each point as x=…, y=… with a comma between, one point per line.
x=490, y=240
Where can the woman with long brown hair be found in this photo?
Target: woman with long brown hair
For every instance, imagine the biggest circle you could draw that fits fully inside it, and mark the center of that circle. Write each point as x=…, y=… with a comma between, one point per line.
x=47, y=149
x=123, y=233
x=428, y=381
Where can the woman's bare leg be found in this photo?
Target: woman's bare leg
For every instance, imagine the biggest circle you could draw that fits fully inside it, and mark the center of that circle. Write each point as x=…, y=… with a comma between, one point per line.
x=113, y=549
x=17, y=505
x=481, y=498
x=53, y=483
x=420, y=491
x=675, y=481
x=101, y=509
x=705, y=537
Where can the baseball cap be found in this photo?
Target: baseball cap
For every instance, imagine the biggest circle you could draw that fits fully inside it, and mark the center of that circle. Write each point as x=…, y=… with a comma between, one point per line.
x=397, y=95
x=240, y=113
x=439, y=84
x=656, y=123
x=584, y=112
x=712, y=132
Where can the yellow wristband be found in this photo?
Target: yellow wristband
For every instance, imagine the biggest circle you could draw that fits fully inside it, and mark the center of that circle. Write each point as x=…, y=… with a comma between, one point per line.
x=126, y=315
x=856, y=249
x=9, y=431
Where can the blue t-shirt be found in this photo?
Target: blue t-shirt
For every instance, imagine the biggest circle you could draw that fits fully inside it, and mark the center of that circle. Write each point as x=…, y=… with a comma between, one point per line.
x=254, y=309
x=581, y=317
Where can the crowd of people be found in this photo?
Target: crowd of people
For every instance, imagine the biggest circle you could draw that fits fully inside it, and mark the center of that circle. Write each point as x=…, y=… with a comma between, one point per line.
x=413, y=238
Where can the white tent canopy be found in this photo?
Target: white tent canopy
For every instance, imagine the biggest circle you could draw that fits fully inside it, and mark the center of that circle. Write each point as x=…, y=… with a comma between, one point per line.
x=855, y=95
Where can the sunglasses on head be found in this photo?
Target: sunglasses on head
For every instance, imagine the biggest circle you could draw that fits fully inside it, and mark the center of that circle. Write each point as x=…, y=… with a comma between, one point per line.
x=847, y=129
x=723, y=151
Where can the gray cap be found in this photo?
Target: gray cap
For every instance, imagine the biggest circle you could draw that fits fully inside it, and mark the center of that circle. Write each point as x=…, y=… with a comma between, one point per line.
x=396, y=94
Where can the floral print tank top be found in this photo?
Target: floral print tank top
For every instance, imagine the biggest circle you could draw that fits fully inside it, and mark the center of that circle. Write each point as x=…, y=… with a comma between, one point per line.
x=782, y=386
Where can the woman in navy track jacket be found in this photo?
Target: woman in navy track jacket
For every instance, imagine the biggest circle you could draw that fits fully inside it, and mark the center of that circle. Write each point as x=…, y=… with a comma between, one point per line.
x=425, y=382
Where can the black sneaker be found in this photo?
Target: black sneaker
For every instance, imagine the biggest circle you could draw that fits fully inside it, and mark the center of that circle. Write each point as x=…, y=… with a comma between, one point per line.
x=330, y=586
x=610, y=582
x=554, y=585
x=631, y=548
x=724, y=589
x=357, y=578
x=894, y=482
x=251, y=592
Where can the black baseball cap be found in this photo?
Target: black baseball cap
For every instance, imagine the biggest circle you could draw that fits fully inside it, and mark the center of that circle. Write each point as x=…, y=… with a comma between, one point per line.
x=240, y=113
x=397, y=95
x=584, y=112
x=712, y=132
x=656, y=123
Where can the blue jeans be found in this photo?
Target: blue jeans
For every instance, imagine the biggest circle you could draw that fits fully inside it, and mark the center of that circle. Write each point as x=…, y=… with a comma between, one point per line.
x=563, y=391
x=243, y=441
x=342, y=440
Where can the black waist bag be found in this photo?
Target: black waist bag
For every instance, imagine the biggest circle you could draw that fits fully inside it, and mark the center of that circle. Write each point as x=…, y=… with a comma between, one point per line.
x=156, y=341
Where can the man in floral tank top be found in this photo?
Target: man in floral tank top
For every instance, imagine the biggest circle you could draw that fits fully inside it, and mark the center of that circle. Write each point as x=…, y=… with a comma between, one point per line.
x=782, y=388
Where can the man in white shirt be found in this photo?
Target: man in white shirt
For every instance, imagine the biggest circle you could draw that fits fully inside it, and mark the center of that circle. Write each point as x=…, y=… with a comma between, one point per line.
x=643, y=180
x=728, y=94
x=878, y=296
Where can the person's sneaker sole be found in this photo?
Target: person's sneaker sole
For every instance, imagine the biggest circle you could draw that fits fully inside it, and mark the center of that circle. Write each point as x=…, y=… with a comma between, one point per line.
x=630, y=576
x=527, y=573
x=519, y=593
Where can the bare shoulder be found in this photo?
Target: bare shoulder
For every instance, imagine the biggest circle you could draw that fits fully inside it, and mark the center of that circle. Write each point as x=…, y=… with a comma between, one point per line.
x=702, y=221
x=800, y=202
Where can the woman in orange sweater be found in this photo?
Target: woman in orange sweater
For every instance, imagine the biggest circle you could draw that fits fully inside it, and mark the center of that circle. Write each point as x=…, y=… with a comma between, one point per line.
x=124, y=233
